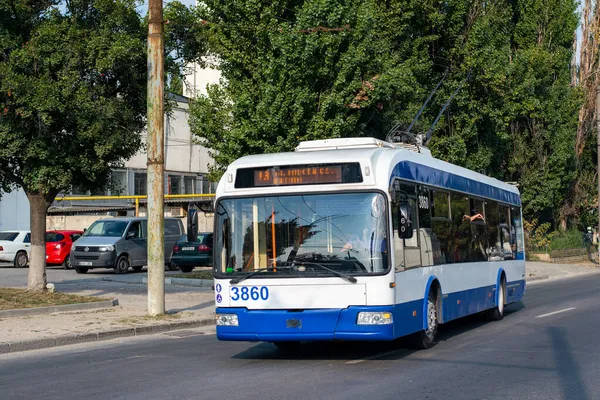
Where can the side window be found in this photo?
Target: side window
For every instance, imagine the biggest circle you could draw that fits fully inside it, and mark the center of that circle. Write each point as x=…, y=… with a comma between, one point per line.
x=493, y=228
x=412, y=253
x=27, y=238
x=517, y=231
x=461, y=222
x=441, y=228
x=406, y=251
x=172, y=227
x=135, y=230
x=425, y=233
x=478, y=246
x=505, y=233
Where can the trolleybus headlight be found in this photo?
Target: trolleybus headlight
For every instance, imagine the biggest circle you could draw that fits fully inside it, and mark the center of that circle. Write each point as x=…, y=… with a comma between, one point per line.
x=227, y=320
x=374, y=318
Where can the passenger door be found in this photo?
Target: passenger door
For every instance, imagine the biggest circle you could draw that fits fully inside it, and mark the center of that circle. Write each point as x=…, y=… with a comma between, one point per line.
x=136, y=244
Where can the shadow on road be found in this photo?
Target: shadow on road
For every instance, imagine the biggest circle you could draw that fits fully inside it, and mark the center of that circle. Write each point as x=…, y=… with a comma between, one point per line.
x=395, y=350
x=569, y=373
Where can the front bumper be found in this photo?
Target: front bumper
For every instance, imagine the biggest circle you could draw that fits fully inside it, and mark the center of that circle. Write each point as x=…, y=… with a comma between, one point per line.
x=314, y=325
x=93, y=259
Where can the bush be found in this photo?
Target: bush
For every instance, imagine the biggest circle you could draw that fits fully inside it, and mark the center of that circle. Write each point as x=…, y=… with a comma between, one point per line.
x=572, y=239
x=537, y=238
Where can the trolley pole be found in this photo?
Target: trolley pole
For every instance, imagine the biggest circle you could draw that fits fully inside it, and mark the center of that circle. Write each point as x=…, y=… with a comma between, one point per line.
x=156, y=160
x=598, y=172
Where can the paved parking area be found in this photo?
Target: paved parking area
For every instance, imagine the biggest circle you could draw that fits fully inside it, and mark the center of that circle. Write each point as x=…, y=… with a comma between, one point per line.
x=17, y=277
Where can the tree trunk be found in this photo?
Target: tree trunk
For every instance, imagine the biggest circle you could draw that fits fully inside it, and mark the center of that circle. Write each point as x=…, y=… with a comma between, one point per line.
x=38, y=205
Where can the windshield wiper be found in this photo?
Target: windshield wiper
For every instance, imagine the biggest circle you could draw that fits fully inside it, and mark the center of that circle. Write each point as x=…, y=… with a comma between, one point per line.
x=256, y=272
x=348, y=278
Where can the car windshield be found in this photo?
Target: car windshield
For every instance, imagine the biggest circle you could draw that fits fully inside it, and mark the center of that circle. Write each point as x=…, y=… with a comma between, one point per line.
x=107, y=228
x=344, y=232
x=8, y=236
x=54, y=237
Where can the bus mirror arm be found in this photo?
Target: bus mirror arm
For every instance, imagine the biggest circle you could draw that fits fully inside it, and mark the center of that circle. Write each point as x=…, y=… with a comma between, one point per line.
x=405, y=229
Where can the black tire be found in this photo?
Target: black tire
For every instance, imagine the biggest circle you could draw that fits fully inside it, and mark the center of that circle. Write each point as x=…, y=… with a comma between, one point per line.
x=287, y=346
x=172, y=267
x=497, y=313
x=67, y=263
x=138, y=268
x=426, y=338
x=122, y=265
x=21, y=260
x=80, y=270
x=186, y=269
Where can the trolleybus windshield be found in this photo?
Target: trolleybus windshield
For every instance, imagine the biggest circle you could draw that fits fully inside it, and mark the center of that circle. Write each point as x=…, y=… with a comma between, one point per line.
x=302, y=234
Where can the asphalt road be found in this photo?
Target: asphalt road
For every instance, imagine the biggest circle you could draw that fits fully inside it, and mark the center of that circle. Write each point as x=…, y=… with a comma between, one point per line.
x=531, y=354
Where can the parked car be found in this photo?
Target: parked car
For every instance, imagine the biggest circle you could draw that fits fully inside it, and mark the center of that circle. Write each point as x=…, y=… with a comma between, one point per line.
x=187, y=255
x=58, y=247
x=120, y=243
x=15, y=247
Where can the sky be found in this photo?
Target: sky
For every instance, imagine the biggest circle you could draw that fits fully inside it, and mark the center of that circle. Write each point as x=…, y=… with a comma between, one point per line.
x=143, y=7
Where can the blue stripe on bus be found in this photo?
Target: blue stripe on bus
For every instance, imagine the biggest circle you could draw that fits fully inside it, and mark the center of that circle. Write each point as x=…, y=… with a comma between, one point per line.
x=430, y=176
x=340, y=324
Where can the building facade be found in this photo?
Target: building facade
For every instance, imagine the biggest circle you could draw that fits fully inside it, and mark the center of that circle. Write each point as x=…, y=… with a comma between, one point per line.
x=186, y=167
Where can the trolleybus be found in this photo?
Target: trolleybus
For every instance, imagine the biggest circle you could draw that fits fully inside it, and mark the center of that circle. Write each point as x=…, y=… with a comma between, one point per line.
x=361, y=239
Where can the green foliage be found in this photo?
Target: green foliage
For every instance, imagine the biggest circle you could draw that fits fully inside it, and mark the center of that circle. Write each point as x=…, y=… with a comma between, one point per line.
x=314, y=69
x=571, y=239
x=72, y=92
x=537, y=238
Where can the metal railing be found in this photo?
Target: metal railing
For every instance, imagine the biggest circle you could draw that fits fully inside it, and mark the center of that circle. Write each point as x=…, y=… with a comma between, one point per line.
x=135, y=198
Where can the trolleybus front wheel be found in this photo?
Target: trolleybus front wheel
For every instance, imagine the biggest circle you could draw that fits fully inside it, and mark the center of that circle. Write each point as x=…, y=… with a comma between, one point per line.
x=426, y=338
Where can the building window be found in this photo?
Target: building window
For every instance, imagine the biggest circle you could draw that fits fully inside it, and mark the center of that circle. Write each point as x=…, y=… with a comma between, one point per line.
x=118, y=185
x=140, y=184
x=189, y=184
x=175, y=184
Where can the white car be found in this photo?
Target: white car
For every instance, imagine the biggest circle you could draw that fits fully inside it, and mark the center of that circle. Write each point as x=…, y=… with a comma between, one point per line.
x=15, y=247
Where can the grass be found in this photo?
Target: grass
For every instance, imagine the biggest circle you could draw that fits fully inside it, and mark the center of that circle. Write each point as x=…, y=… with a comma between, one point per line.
x=11, y=299
x=195, y=275
x=571, y=239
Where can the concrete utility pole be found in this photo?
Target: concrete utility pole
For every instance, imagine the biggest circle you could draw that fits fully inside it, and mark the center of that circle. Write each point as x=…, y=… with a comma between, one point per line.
x=156, y=161
x=598, y=133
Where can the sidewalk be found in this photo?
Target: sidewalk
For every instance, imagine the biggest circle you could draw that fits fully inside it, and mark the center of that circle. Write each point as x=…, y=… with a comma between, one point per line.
x=186, y=307
x=538, y=271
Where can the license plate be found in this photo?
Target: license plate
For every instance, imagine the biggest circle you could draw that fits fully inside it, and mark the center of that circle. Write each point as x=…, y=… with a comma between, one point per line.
x=188, y=248
x=86, y=263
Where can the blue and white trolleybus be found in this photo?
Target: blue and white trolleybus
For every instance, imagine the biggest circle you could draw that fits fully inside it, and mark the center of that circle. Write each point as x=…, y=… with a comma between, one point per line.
x=361, y=239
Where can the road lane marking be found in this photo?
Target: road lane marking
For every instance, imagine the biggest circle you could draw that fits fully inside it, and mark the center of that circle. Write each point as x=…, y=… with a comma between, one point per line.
x=555, y=312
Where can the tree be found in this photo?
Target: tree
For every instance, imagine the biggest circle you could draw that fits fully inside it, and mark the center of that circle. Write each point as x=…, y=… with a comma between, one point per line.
x=314, y=69
x=72, y=100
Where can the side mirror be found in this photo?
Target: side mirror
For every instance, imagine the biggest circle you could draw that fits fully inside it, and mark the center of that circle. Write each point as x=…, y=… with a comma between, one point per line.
x=130, y=235
x=84, y=229
x=405, y=227
x=192, y=225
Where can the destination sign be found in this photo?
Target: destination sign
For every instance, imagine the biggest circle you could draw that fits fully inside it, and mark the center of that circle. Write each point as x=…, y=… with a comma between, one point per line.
x=294, y=175
x=297, y=176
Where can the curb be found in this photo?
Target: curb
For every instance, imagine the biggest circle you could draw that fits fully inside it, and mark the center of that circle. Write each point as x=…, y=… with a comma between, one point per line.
x=143, y=280
x=24, y=312
x=184, y=282
x=536, y=278
x=66, y=340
